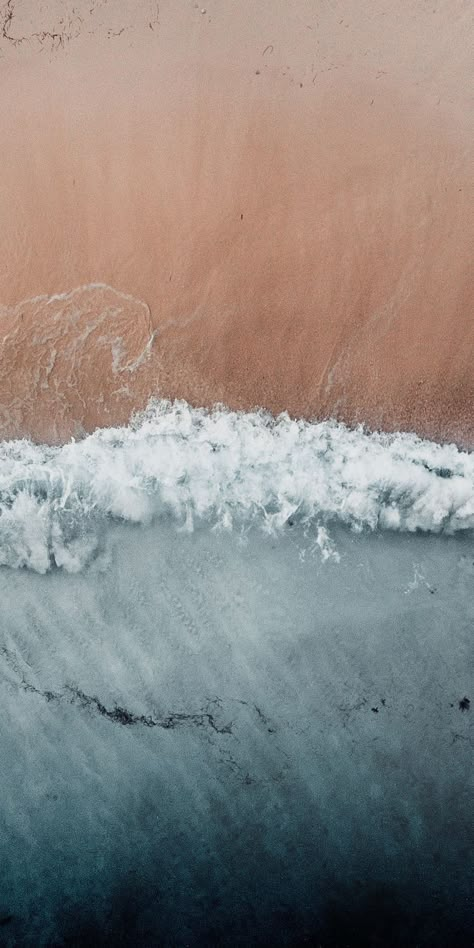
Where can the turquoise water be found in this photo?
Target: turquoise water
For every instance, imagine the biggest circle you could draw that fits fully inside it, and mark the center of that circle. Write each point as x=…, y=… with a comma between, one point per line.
x=240, y=713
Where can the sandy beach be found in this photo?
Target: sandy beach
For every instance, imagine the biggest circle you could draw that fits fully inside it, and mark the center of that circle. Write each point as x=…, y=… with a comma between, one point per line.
x=236, y=656
x=262, y=205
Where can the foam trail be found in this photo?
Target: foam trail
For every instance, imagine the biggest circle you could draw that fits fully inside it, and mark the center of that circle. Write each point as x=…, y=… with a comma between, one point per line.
x=229, y=470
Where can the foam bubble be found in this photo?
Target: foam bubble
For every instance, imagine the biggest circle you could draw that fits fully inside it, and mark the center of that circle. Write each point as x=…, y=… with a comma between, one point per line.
x=224, y=469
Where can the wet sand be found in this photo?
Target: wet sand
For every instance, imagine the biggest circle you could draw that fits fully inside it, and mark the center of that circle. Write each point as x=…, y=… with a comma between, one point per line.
x=259, y=207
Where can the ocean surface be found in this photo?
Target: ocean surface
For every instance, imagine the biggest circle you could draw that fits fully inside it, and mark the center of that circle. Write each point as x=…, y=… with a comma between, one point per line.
x=236, y=675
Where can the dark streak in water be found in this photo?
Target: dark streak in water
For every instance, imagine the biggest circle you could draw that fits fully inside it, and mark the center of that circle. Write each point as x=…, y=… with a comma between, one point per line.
x=119, y=715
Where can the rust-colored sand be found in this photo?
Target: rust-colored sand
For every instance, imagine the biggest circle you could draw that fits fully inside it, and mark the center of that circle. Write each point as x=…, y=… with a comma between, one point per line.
x=266, y=204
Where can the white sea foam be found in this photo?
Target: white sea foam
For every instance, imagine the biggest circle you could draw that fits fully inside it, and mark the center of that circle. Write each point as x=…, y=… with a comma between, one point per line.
x=228, y=470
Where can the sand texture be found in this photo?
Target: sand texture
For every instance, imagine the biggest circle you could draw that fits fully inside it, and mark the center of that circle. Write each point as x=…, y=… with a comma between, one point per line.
x=259, y=204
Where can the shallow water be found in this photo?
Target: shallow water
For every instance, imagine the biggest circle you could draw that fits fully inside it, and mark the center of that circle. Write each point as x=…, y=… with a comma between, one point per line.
x=240, y=737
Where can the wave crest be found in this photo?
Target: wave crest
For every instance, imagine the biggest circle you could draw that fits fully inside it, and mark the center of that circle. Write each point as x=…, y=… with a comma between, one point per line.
x=225, y=469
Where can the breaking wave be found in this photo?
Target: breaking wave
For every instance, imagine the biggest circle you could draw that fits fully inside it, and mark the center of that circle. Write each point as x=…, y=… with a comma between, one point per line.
x=228, y=470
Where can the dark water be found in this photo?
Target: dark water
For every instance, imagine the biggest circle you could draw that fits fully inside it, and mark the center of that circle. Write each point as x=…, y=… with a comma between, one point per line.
x=207, y=740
